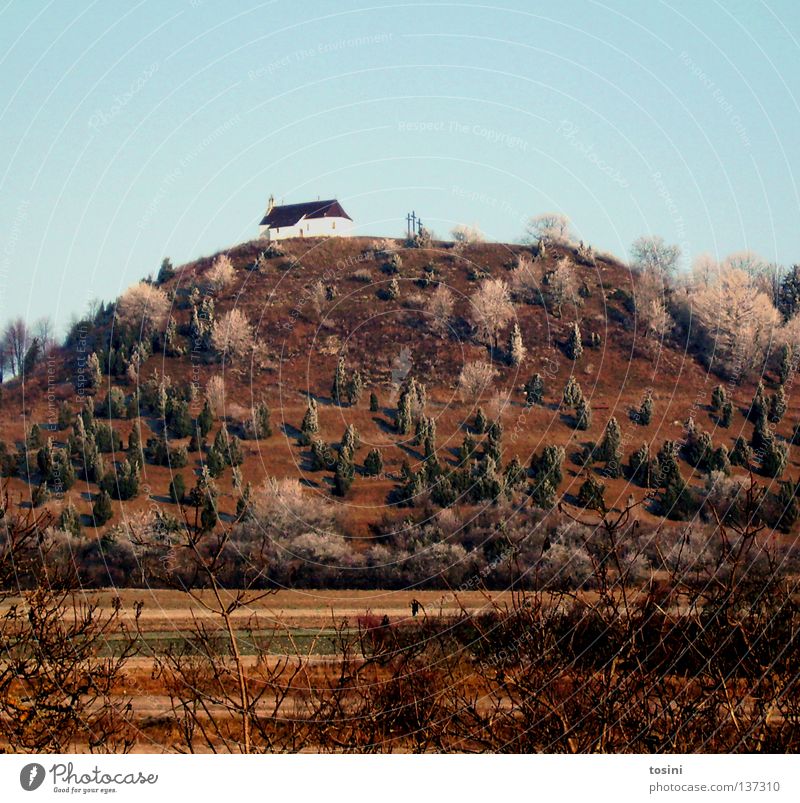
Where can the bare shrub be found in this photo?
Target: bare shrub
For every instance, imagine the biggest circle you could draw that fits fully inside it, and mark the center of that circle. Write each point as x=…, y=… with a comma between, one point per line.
x=467, y=235
x=215, y=394
x=474, y=378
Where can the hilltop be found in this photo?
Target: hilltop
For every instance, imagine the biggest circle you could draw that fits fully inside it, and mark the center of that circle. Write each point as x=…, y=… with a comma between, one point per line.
x=312, y=302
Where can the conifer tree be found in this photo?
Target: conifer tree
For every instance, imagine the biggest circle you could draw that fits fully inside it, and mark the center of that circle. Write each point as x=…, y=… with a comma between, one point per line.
x=610, y=448
x=759, y=406
x=373, y=403
x=718, y=398
x=355, y=387
x=373, y=464
x=481, y=422
x=777, y=405
x=310, y=425
x=338, y=388
x=645, y=414
x=534, y=390
x=516, y=348
x=726, y=414
x=785, y=364
x=592, y=494
x=583, y=415
x=574, y=344
x=572, y=393
x=741, y=454
x=102, y=510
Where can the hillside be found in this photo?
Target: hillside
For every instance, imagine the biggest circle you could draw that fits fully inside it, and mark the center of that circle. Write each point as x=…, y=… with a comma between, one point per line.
x=312, y=301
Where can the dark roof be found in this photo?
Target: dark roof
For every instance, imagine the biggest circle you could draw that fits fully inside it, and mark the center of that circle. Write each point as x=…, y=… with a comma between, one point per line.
x=289, y=214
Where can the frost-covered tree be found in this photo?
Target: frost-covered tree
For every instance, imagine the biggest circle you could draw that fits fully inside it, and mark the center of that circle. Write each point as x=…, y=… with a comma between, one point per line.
x=549, y=227
x=220, y=274
x=736, y=323
x=516, y=348
x=439, y=310
x=143, y=308
x=491, y=309
x=232, y=337
x=562, y=285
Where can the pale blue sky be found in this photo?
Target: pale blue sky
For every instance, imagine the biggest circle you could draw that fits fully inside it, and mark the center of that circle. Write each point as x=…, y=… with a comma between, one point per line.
x=131, y=131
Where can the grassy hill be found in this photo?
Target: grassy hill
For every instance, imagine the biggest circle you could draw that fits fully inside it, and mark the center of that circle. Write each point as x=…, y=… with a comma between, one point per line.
x=311, y=302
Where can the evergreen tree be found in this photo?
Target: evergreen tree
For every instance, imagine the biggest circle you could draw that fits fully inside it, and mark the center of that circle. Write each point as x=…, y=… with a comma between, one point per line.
x=761, y=433
x=543, y=494
x=345, y=473
x=788, y=508
x=177, y=489
x=718, y=398
x=676, y=500
x=759, y=406
x=645, y=413
x=548, y=465
x=373, y=465
x=310, y=425
x=667, y=462
x=404, y=418
x=572, y=393
x=514, y=476
x=87, y=414
x=481, y=421
x=574, y=344
x=741, y=454
x=205, y=420
x=166, y=271
x=215, y=462
x=698, y=448
x=262, y=420
x=355, y=387
x=788, y=301
x=609, y=449
x=64, y=416
x=534, y=390
x=393, y=291
x=178, y=418
x=785, y=363
x=351, y=441
x=726, y=414
x=516, y=348
x=719, y=460
x=338, y=388
x=34, y=439
x=592, y=494
x=774, y=457
x=102, y=510
x=777, y=406
x=373, y=403
x=643, y=469
x=467, y=449
x=583, y=415
x=322, y=457
x=70, y=521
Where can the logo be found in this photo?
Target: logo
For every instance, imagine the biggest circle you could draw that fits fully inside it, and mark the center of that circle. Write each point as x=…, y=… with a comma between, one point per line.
x=31, y=777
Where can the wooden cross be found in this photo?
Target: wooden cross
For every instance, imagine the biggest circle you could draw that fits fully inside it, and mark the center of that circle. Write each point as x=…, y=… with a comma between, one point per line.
x=411, y=219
